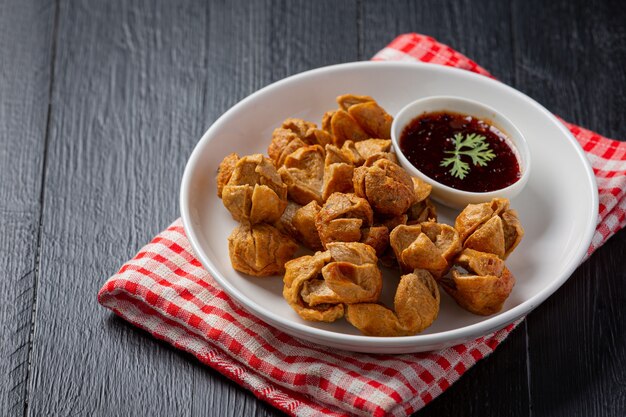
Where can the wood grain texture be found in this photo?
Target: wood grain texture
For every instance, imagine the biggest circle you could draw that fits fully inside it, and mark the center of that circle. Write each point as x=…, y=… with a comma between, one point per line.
x=136, y=83
x=577, y=338
x=127, y=105
x=459, y=24
x=26, y=29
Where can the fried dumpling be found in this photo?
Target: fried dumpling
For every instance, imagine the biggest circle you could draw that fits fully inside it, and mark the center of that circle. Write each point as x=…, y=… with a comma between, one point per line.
x=490, y=227
x=369, y=147
x=255, y=192
x=224, y=171
x=285, y=222
x=293, y=135
x=416, y=306
x=284, y=143
x=343, y=127
x=318, y=286
x=260, y=250
x=422, y=209
x=368, y=114
x=307, y=132
x=342, y=217
x=373, y=119
x=485, y=286
x=346, y=101
x=306, y=292
x=303, y=173
x=429, y=245
x=386, y=186
x=304, y=224
x=338, y=169
x=299, y=222
x=377, y=237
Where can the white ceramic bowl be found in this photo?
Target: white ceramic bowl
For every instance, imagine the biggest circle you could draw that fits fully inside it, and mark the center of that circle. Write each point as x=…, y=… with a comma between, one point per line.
x=445, y=194
x=558, y=207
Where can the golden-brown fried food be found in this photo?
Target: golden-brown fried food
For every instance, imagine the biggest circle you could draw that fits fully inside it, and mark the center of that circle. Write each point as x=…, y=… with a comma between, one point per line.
x=284, y=143
x=368, y=114
x=422, y=209
x=224, y=171
x=490, y=227
x=391, y=222
x=302, y=280
x=303, y=173
x=342, y=217
x=427, y=245
x=369, y=161
x=486, y=285
x=326, y=119
x=255, y=192
x=416, y=305
x=285, y=223
x=346, y=101
x=299, y=126
x=317, y=286
x=377, y=237
x=304, y=224
x=353, y=283
x=338, y=169
x=307, y=131
x=260, y=250
x=386, y=186
x=343, y=127
x=369, y=147
x=373, y=119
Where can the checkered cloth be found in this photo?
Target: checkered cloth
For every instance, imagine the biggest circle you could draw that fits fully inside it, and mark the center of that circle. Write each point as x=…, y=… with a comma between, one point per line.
x=165, y=291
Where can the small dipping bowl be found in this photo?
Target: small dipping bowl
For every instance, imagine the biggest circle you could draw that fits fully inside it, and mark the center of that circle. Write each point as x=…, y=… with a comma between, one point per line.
x=445, y=194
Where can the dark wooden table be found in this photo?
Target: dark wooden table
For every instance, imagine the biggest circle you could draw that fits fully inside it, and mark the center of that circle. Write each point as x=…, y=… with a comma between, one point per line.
x=101, y=102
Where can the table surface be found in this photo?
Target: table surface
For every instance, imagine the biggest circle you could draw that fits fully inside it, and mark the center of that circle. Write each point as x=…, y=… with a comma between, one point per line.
x=101, y=103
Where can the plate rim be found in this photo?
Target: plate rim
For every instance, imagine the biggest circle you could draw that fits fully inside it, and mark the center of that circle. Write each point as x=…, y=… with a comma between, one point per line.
x=328, y=337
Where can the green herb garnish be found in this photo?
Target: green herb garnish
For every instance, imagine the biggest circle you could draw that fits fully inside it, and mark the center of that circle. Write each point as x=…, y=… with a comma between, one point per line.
x=478, y=150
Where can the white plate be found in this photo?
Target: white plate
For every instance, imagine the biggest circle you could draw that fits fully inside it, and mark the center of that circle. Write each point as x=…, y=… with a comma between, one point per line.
x=558, y=208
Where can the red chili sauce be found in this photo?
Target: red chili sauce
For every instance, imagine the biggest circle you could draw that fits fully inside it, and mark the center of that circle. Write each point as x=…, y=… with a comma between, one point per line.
x=425, y=140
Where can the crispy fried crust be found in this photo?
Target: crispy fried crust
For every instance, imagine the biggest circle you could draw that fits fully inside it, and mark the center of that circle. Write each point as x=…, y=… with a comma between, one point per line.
x=368, y=114
x=429, y=245
x=373, y=119
x=490, y=227
x=318, y=286
x=386, y=186
x=369, y=147
x=260, y=250
x=224, y=171
x=485, y=286
x=304, y=225
x=303, y=173
x=255, y=192
x=416, y=306
x=342, y=217
x=343, y=127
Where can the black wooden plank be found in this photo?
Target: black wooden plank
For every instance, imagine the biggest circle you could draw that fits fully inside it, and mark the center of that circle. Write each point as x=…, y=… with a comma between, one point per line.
x=575, y=66
x=127, y=106
x=481, y=30
x=26, y=32
x=478, y=29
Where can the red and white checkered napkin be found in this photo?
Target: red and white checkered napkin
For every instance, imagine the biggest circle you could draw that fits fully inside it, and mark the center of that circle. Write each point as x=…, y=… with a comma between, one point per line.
x=165, y=291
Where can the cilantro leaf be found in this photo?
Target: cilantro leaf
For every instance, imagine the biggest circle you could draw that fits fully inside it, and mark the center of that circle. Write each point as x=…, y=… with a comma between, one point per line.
x=478, y=151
